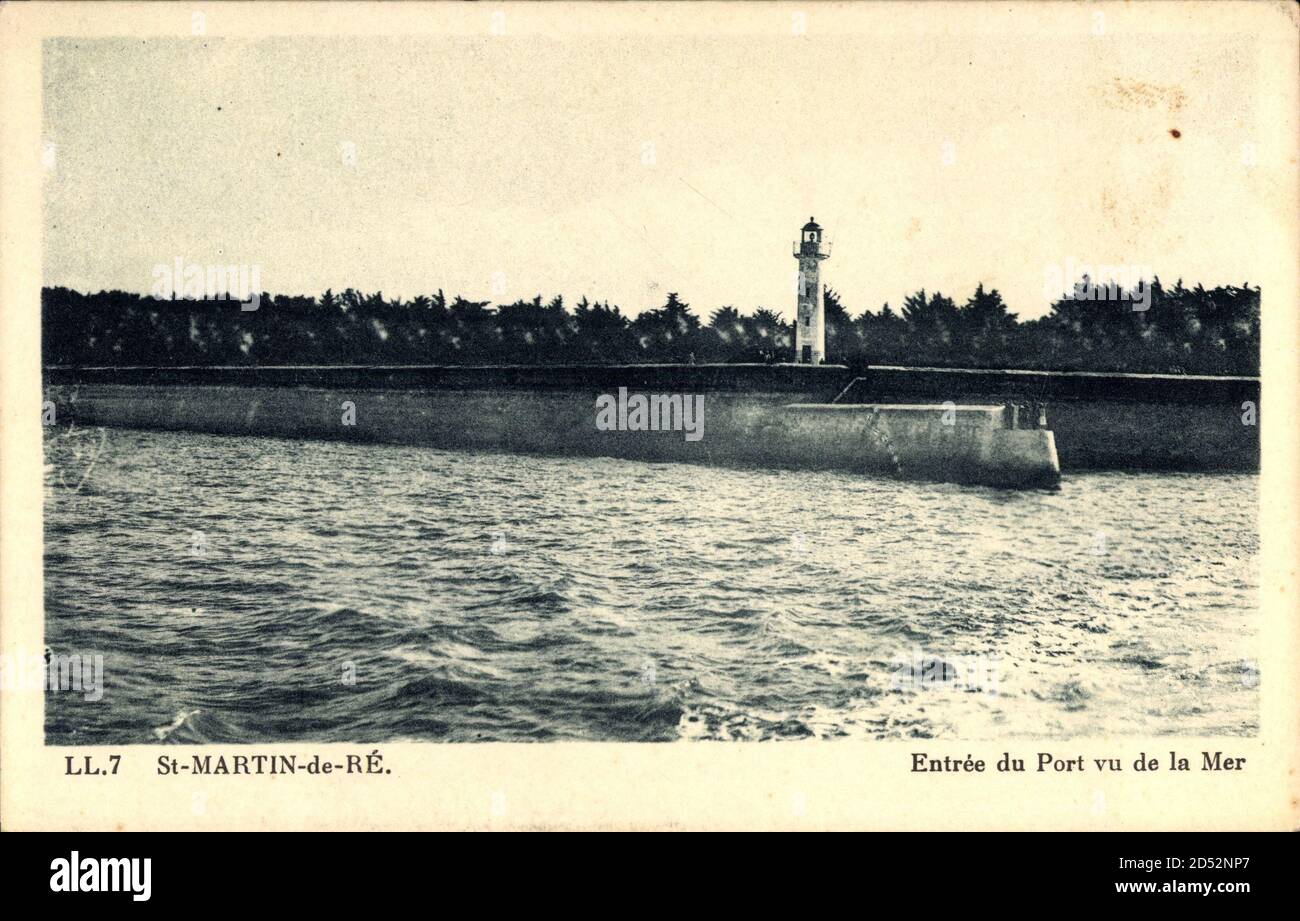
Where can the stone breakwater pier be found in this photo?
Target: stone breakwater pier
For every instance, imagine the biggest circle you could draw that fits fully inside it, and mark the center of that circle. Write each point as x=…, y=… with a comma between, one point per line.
x=998, y=428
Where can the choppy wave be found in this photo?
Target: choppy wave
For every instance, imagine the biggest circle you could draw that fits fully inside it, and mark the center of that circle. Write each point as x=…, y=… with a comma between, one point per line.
x=256, y=590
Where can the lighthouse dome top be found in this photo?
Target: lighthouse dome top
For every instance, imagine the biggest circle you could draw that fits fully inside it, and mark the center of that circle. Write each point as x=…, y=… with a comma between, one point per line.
x=812, y=225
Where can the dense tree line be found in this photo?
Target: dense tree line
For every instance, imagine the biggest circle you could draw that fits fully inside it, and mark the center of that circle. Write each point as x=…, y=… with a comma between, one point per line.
x=1182, y=330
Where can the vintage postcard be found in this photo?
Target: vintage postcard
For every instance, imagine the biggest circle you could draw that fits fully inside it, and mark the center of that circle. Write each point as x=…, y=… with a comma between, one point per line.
x=649, y=416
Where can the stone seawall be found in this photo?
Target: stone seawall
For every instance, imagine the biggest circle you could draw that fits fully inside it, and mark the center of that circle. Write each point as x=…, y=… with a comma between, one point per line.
x=762, y=429
x=963, y=444
x=1099, y=421
x=1103, y=421
x=819, y=382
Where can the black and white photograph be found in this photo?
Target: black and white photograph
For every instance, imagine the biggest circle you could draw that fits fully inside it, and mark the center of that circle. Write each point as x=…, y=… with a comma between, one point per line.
x=396, y=393
x=802, y=375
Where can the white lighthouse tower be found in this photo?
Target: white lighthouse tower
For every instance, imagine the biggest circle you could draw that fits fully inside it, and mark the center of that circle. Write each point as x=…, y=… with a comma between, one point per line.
x=810, y=323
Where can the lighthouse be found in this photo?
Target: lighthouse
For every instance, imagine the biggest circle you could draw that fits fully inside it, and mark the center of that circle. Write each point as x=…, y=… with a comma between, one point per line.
x=810, y=322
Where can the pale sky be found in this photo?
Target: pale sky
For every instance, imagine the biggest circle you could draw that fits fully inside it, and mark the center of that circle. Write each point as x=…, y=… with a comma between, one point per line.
x=625, y=168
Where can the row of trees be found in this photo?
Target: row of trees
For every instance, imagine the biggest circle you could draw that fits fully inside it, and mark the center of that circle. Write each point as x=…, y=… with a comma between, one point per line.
x=1181, y=330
